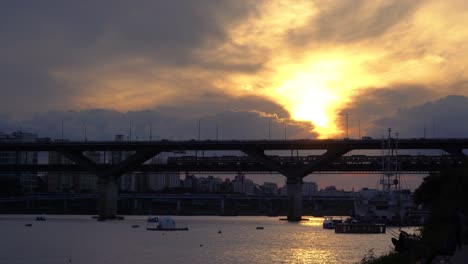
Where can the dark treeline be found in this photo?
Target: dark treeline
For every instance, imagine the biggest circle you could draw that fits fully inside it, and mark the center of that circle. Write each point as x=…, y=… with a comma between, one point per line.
x=445, y=194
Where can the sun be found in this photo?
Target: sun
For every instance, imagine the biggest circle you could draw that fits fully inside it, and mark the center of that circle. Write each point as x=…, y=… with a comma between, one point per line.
x=314, y=92
x=320, y=86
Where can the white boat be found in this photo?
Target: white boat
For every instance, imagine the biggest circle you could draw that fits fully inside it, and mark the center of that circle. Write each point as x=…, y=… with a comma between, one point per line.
x=152, y=219
x=163, y=224
x=329, y=222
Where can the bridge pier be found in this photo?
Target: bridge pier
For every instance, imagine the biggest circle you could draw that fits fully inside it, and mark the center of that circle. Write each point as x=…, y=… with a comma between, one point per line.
x=108, y=190
x=294, y=187
x=179, y=207
x=65, y=206
x=221, y=206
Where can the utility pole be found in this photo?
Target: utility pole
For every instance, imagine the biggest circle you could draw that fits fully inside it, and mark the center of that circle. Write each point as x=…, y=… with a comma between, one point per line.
x=285, y=135
x=269, y=129
x=359, y=127
x=130, y=132
x=347, y=117
x=199, y=129
x=151, y=131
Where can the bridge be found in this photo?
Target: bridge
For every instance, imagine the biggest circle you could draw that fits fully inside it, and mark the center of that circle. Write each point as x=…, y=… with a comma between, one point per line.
x=226, y=202
x=142, y=151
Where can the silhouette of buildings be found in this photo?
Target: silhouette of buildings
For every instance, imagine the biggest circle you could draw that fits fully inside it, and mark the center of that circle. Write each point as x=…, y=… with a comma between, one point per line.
x=28, y=181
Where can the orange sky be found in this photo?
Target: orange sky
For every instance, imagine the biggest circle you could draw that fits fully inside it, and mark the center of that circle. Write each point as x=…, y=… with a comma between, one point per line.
x=314, y=58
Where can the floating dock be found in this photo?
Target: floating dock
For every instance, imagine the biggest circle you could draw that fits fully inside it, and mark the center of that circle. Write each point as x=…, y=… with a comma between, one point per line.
x=354, y=228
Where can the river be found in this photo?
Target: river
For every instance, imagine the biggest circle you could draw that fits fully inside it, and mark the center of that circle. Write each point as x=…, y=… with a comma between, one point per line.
x=81, y=239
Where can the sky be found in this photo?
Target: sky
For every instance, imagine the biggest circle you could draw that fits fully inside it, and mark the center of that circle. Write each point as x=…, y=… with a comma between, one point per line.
x=307, y=69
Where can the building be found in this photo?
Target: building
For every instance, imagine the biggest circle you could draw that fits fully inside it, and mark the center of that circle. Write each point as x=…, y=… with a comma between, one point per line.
x=72, y=182
x=27, y=180
x=59, y=182
x=269, y=188
x=309, y=188
x=209, y=184
x=190, y=182
x=159, y=181
x=240, y=184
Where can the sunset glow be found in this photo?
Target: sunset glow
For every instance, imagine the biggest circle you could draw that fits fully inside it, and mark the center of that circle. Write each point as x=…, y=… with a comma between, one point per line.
x=313, y=59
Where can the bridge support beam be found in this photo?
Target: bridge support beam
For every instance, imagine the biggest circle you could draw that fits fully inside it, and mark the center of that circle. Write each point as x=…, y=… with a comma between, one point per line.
x=108, y=187
x=294, y=187
x=108, y=190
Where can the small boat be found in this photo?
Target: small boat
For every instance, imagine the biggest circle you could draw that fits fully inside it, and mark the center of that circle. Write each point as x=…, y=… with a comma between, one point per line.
x=135, y=226
x=40, y=218
x=329, y=222
x=259, y=227
x=152, y=219
x=28, y=225
x=163, y=224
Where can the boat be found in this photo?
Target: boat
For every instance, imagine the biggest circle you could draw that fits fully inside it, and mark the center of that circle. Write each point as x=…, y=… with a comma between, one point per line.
x=406, y=242
x=360, y=228
x=152, y=219
x=329, y=222
x=163, y=224
x=390, y=205
x=40, y=218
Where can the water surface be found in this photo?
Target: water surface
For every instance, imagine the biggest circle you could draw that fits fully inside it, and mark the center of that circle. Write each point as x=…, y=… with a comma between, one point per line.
x=80, y=239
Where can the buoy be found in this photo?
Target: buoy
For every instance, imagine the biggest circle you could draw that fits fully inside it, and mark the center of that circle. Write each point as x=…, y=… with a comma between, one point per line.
x=219, y=232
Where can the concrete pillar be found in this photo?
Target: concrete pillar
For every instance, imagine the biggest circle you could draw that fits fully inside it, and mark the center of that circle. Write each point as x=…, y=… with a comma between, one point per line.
x=270, y=207
x=65, y=206
x=108, y=190
x=221, y=207
x=294, y=187
x=179, y=206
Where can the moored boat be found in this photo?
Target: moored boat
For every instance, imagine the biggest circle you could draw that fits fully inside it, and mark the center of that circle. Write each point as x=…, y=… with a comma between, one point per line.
x=360, y=228
x=163, y=224
x=329, y=222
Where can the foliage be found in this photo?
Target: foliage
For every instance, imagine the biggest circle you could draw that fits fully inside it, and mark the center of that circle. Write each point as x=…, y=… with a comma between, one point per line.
x=445, y=194
x=390, y=258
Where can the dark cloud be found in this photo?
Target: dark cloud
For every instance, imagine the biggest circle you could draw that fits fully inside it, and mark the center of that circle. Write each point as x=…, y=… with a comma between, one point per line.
x=168, y=123
x=446, y=117
x=39, y=39
x=207, y=103
x=369, y=105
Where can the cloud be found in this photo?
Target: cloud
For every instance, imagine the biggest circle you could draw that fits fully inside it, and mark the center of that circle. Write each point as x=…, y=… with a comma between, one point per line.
x=57, y=55
x=443, y=118
x=173, y=123
x=351, y=20
x=371, y=104
x=309, y=57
